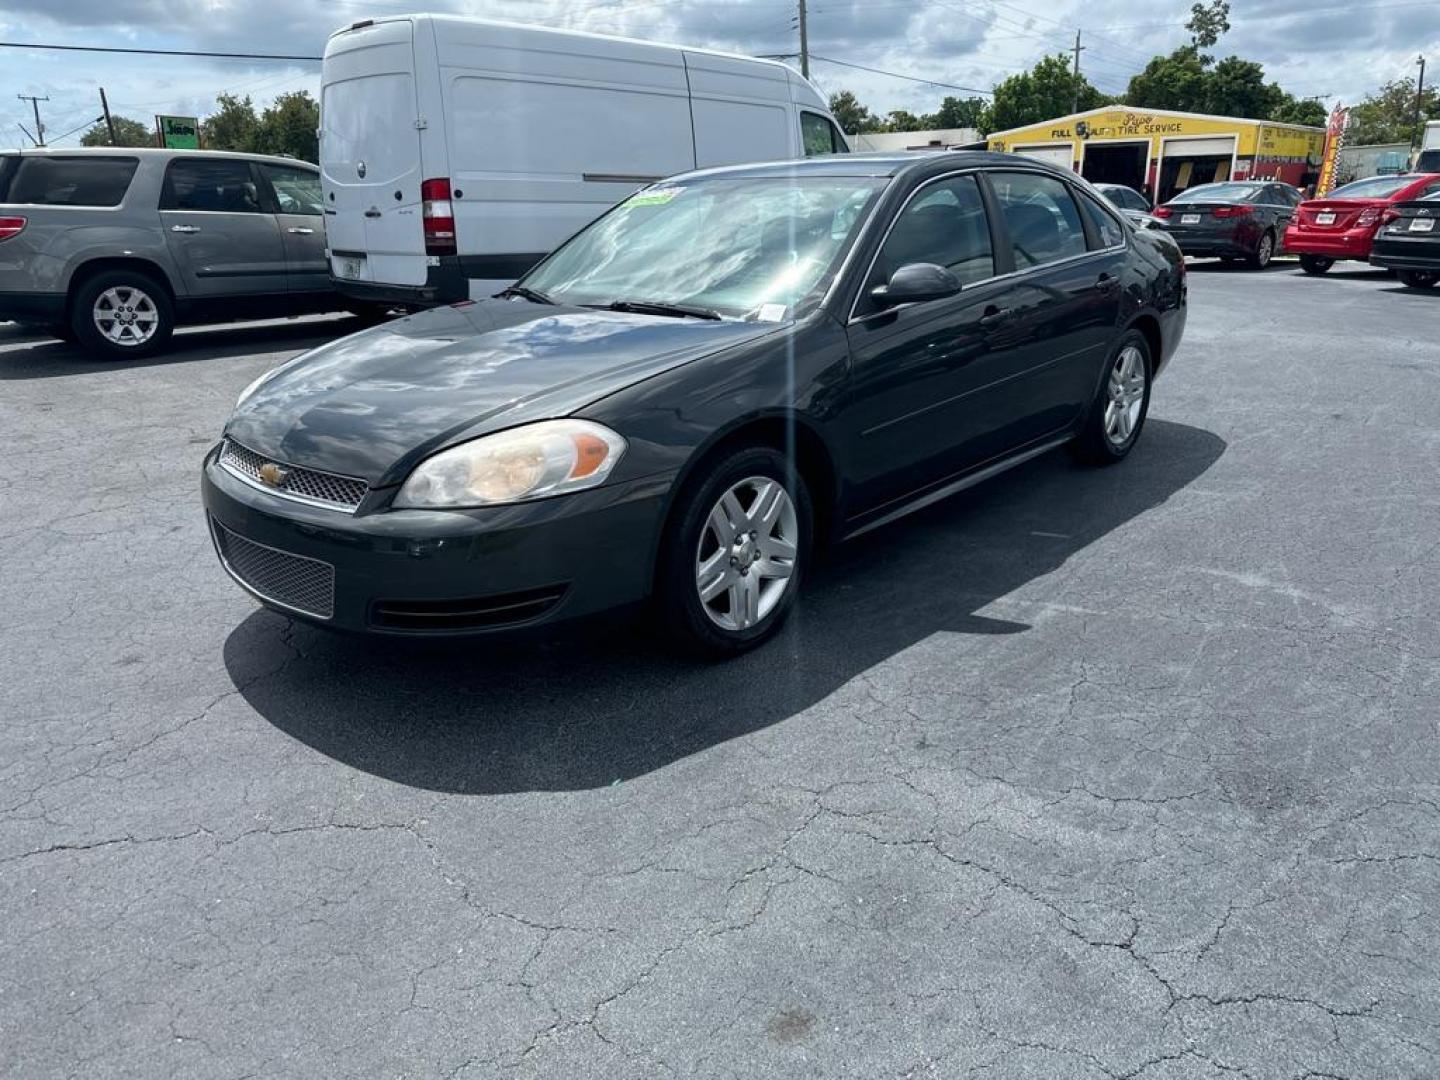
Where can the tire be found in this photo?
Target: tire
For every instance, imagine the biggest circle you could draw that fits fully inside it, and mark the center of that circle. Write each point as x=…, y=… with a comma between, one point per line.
x=1264, y=251
x=1419, y=279
x=1111, y=430
x=1315, y=264
x=693, y=555
x=141, y=316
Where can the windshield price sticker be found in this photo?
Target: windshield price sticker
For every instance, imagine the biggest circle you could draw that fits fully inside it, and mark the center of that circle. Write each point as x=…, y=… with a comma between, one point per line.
x=654, y=196
x=771, y=313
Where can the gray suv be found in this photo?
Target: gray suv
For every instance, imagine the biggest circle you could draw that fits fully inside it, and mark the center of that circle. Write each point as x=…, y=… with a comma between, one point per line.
x=112, y=248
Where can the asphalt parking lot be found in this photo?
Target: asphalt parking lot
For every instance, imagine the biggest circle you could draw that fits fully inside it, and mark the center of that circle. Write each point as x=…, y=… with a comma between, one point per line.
x=1120, y=773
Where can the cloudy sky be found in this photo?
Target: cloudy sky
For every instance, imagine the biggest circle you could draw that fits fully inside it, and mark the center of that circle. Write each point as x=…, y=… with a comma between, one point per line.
x=1326, y=48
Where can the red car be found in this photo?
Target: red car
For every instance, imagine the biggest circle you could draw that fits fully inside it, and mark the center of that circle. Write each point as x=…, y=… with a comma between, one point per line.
x=1343, y=224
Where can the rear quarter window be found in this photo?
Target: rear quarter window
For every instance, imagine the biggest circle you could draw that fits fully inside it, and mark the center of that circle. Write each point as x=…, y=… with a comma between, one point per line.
x=81, y=180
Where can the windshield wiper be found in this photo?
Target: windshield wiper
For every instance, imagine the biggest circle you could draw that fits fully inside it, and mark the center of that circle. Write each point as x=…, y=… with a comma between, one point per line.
x=660, y=307
x=535, y=296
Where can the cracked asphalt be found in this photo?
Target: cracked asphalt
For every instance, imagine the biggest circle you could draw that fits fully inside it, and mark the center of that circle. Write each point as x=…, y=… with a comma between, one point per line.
x=1128, y=773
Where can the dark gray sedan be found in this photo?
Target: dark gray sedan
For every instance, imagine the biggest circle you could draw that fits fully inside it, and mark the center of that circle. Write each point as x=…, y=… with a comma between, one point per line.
x=1231, y=220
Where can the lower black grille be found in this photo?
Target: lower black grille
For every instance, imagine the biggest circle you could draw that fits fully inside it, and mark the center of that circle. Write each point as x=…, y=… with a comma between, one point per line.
x=293, y=581
x=475, y=613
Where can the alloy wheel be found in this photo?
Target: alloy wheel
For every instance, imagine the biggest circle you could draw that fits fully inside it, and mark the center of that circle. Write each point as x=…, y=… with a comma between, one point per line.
x=1265, y=251
x=1125, y=395
x=747, y=552
x=125, y=316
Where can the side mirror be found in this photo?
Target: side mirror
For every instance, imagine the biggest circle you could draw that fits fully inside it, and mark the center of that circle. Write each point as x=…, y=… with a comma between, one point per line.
x=915, y=282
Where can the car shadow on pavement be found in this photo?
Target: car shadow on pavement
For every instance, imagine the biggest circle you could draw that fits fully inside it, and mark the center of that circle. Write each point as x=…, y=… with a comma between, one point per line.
x=595, y=706
x=28, y=356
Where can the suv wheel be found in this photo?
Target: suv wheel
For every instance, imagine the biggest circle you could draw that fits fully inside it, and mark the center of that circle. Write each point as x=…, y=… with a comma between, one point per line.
x=1420, y=279
x=1315, y=264
x=122, y=315
x=1112, y=427
x=734, y=556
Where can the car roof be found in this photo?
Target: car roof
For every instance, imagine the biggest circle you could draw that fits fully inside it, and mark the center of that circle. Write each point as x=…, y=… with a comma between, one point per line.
x=152, y=152
x=880, y=163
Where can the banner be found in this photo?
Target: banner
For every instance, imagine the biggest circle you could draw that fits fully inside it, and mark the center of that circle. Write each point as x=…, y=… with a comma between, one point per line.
x=1334, y=140
x=178, y=132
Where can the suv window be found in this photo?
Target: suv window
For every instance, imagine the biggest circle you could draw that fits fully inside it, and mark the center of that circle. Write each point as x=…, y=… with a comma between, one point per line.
x=216, y=186
x=944, y=224
x=1108, y=232
x=297, y=191
x=80, y=180
x=1043, y=220
x=820, y=136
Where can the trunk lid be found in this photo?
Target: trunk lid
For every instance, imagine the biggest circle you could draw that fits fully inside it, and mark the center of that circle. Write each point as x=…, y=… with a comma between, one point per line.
x=370, y=164
x=1337, y=214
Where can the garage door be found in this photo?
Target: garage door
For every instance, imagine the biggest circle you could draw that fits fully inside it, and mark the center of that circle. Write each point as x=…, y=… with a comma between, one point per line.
x=1217, y=147
x=1060, y=155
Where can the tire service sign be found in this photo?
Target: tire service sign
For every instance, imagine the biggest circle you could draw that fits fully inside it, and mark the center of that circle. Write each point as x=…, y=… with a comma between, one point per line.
x=178, y=132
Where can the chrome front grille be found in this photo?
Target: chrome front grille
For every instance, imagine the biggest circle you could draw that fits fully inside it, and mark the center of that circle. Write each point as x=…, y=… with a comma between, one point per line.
x=306, y=485
x=294, y=581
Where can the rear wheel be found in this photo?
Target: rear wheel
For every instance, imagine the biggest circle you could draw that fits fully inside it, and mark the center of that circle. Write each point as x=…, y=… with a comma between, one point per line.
x=1264, y=251
x=1118, y=412
x=734, y=555
x=1315, y=264
x=1420, y=279
x=122, y=315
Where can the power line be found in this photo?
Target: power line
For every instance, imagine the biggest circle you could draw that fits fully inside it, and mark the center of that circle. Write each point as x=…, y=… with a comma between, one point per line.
x=897, y=75
x=158, y=52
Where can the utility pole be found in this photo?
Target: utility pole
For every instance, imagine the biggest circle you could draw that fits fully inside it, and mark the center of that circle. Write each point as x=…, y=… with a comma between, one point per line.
x=39, y=135
x=804, y=43
x=109, y=123
x=1075, y=75
x=1419, y=99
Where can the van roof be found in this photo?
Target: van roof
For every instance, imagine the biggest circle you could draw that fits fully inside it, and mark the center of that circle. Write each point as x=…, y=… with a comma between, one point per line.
x=475, y=20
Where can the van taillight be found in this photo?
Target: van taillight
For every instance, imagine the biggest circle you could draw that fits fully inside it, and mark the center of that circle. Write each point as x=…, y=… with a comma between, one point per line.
x=438, y=217
x=11, y=226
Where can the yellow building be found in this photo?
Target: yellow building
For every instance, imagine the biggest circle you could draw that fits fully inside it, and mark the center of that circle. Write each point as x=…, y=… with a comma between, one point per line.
x=1160, y=153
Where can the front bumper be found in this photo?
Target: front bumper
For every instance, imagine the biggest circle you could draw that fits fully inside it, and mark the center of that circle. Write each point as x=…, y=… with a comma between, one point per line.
x=1346, y=244
x=39, y=309
x=421, y=572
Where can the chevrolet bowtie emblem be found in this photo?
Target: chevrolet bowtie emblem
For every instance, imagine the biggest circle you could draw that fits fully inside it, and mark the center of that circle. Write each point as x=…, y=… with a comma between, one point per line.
x=273, y=474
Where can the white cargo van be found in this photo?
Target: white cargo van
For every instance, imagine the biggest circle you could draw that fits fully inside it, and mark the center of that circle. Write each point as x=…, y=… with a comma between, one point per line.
x=455, y=152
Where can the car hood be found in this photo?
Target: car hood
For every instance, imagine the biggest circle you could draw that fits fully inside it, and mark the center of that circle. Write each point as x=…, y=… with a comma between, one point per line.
x=372, y=404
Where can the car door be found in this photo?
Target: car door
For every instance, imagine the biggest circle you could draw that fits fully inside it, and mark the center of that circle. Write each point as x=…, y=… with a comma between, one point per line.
x=299, y=213
x=925, y=378
x=224, y=241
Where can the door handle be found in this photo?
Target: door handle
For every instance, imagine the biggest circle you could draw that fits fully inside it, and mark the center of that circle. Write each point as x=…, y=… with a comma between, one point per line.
x=996, y=316
x=372, y=212
x=300, y=230
x=185, y=228
x=1107, y=284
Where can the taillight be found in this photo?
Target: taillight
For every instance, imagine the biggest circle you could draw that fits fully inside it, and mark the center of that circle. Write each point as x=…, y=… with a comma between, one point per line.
x=1163, y=211
x=11, y=226
x=1369, y=216
x=1232, y=211
x=1388, y=216
x=438, y=217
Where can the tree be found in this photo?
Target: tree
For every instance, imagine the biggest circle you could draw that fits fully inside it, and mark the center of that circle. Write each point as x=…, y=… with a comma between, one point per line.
x=288, y=127
x=1388, y=115
x=902, y=120
x=1208, y=22
x=852, y=117
x=232, y=126
x=1236, y=87
x=1046, y=91
x=972, y=112
x=1308, y=111
x=1178, y=82
x=127, y=133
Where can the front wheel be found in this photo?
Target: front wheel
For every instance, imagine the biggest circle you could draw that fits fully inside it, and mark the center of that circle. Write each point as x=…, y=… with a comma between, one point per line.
x=734, y=556
x=1315, y=264
x=1112, y=426
x=1264, y=251
x=122, y=315
x=1419, y=279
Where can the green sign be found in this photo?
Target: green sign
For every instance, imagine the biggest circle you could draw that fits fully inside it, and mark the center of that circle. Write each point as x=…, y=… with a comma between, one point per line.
x=178, y=132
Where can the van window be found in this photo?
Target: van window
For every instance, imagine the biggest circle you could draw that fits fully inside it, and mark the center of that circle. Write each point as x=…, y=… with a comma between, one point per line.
x=297, y=191
x=80, y=180
x=1042, y=218
x=226, y=187
x=944, y=224
x=820, y=136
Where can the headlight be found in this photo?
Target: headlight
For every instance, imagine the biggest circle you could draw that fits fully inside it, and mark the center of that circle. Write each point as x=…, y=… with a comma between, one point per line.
x=552, y=457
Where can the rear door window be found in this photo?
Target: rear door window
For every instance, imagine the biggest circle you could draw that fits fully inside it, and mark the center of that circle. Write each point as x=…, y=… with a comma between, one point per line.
x=1108, y=231
x=297, y=191
x=222, y=187
x=1043, y=220
x=56, y=180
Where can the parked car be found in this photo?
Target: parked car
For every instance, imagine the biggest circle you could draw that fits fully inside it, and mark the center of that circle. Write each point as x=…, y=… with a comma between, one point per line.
x=1343, y=224
x=1131, y=203
x=1233, y=219
x=457, y=152
x=1409, y=242
x=687, y=396
x=114, y=248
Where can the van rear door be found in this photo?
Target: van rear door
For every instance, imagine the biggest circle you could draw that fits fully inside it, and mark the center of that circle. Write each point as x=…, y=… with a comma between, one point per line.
x=370, y=155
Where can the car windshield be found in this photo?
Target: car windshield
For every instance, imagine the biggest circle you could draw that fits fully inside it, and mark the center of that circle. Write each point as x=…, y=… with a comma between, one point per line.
x=743, y=247
x=1376, y=187
x=1218, y=193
